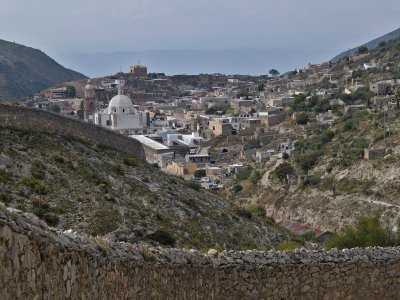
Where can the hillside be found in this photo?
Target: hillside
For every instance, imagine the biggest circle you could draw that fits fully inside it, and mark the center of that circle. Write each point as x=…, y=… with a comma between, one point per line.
x=24, y=70
x=333, y=183
x=100, y=191
x=371, y=44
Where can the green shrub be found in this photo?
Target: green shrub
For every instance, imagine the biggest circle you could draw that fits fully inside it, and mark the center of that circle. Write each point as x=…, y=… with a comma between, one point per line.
x=193, y=185
x=5, y=176
x=5, y=198
x=307, y=160
x=288, y=245
x=302, y=119
x=36, y=185
x=58, y=158
x=131, y=161
x=118, y=170
x=311, y=180
x=282, y=171
x=43, y=211
x=367, y=232
x=163, y=237
x=51, y=219
x=244, y=213
x=254, y=144
x=257, y=210
x=237, y=188
x=243, y=174
x=104, y=245
x=38, y=170
x=200, y=173
x=255, y=177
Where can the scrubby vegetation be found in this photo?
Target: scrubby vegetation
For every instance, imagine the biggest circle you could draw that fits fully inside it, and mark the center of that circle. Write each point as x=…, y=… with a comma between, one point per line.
x=366, y=232
x=71, y=184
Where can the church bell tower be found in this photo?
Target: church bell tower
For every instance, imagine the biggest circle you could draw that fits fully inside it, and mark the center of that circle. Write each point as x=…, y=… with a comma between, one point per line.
x=89, y=102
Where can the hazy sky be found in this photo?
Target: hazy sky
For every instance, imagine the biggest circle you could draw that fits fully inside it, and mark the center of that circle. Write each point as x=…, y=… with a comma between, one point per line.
x=63, y=26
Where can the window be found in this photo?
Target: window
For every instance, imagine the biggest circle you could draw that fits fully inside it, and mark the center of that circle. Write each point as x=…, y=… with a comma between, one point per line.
x=123, y=110
x=108, y=123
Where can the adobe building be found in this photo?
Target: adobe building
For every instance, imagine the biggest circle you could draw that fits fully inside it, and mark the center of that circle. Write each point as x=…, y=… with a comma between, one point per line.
x=138, y=71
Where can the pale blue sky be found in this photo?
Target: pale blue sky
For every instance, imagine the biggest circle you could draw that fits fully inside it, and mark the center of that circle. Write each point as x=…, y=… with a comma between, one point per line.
x=326, y=27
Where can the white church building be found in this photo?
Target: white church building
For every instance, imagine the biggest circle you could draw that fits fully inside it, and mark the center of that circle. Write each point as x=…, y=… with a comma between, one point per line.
x=122, y=116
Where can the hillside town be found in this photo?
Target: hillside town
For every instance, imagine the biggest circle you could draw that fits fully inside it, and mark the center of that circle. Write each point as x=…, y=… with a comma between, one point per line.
x=208, y=128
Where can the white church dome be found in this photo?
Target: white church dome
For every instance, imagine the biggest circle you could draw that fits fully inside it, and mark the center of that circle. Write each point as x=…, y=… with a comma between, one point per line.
x=120, y=101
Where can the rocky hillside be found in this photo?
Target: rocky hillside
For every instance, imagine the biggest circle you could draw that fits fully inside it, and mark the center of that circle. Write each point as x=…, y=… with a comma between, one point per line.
x=24, y=71
x=332, y=183
x=101, y=191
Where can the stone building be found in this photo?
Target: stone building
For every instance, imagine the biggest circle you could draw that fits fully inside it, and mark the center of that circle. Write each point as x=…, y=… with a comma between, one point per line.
x=138, y=70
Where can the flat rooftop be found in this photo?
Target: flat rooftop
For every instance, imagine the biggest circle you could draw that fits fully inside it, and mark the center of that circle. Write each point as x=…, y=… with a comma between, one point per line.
x=149, y=142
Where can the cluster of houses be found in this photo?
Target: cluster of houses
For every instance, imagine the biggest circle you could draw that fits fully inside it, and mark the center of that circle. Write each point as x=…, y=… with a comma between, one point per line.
x=176, y=118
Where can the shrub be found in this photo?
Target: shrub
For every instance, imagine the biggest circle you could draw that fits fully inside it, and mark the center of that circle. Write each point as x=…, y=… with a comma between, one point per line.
x=5, y=198
x=252, y=145
x=257, y=210
x=163, y=237
x=311, y=180
x=366, y=232
x=58, y=158
x=51, y=219
x=193, y=185
x=243, y=174
x=244, y=213
x=35, y=185
x=130, y=161
x=307, y=160
x=255, y=177
x=200, y=173
x=302, y=119
x=38, y=170
x=237, y=188
x=118, y=170
x=104, y=245
x=288, y=245
x=349, y=125
x=282, y=171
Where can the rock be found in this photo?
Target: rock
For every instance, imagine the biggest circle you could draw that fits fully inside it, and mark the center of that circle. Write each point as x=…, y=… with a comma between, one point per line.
x=212, y=253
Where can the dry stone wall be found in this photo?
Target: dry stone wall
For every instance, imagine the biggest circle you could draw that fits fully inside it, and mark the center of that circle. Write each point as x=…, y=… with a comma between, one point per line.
x=37, y=262
x=42, y=121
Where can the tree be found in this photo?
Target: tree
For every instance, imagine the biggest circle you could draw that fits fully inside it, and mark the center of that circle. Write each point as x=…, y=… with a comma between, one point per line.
x=71, y=91
x=56, y=109
x=273, y=72
x=200, y=173
x=362, y=50
x=307, y=160
x=302, y=119
x=282, y=171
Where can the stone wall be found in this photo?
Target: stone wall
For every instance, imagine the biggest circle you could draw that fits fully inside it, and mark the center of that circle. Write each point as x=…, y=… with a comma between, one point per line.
x=374, y=153
x=42, y=121
x=37, y=262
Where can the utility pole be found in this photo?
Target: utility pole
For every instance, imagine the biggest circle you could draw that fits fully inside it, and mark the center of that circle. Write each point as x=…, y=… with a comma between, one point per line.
x=384, y=124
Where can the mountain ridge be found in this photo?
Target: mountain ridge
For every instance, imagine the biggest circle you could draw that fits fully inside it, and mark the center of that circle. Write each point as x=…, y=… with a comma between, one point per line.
x=25, y=70
x=395, y=34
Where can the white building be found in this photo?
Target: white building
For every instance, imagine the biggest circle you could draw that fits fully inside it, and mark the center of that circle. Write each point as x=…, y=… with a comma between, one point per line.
x=122, y=116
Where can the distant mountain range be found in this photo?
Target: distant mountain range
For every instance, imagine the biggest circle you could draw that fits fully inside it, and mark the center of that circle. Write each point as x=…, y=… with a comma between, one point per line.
x=230, y=61
x=370, y=45
x=24, y=71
